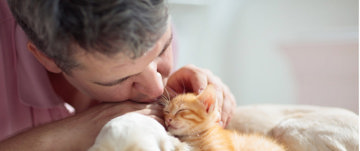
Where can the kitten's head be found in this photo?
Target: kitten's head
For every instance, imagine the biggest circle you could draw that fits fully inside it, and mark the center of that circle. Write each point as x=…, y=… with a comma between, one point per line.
x=189, y=114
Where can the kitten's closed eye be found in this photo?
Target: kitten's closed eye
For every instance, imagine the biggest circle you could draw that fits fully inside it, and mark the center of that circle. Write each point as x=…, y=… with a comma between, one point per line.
x=179, y=111
x=182, y=110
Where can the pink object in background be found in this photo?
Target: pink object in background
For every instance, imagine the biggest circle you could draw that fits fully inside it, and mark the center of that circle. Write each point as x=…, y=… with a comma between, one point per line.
x=326, y=73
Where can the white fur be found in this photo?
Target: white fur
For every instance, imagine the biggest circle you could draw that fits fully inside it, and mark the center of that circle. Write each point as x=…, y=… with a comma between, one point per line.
x=334, y=130
x=138, y=132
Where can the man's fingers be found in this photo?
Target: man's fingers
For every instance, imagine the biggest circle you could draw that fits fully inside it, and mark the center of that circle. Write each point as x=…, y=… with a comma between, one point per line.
x=228, y=107
x=199, y=83
x=188, y=79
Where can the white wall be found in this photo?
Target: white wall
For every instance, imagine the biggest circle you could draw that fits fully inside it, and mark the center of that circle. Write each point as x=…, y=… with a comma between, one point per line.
x=242, y=41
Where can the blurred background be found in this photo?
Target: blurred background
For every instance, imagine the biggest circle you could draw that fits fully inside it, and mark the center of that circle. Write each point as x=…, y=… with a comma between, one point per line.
x=274, y=51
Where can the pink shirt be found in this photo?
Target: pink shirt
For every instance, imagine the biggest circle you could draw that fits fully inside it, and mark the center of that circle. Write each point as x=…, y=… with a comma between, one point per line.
x=27, y=98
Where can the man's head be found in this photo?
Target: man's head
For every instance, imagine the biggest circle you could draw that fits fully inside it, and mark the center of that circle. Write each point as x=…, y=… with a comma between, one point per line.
x=111, y=50
x=57, y=27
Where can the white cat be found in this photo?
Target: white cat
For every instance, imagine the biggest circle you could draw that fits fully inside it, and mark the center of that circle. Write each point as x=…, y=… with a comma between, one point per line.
x=136, y=132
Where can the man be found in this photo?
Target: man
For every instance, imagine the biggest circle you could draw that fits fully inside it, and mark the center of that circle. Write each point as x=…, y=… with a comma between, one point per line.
x=104, y=58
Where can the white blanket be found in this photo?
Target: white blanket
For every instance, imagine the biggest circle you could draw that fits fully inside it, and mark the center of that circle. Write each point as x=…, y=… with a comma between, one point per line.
x=301, y=128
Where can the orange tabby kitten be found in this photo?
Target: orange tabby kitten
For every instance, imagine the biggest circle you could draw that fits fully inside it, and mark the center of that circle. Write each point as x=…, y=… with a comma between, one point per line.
x=194, y=120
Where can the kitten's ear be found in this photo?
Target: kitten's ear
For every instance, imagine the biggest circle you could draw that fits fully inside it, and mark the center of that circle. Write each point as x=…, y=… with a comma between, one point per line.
x=208, y=98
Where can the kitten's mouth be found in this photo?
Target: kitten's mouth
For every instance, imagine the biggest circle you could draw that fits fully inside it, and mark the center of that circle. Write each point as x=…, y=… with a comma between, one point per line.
x=171, y=127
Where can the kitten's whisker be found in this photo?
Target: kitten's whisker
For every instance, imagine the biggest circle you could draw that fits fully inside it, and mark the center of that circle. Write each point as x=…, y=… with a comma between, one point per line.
x=167, y=93
x=163, y=97
x=163, y=100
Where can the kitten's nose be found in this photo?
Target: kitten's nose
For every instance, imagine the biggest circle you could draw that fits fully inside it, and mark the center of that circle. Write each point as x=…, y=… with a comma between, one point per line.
x=168, y=121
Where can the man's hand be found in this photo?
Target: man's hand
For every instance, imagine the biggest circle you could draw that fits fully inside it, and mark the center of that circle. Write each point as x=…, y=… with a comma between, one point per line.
x=77, y=132
x=193, y=79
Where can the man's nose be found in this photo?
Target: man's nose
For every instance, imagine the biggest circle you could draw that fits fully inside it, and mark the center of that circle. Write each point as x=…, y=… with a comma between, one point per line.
x=150, y=82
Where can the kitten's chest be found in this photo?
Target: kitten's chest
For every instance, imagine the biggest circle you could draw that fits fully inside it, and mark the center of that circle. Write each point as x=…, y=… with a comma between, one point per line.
x=212, y=140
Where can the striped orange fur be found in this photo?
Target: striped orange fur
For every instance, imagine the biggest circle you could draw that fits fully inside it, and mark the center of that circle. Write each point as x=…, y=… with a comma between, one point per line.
x=194, y=120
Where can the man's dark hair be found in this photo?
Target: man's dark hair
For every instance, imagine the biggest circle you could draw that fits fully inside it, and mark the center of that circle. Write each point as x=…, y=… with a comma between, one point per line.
x=106, y=26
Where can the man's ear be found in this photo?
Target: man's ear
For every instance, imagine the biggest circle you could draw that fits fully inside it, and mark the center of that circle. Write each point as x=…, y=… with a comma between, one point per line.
x=48, y=63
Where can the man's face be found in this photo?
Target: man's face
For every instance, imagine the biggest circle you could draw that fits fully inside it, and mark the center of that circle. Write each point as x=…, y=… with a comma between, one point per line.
x=119, y=78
